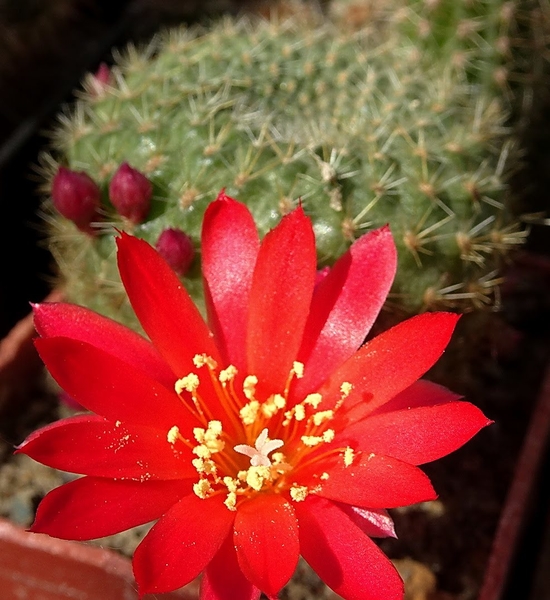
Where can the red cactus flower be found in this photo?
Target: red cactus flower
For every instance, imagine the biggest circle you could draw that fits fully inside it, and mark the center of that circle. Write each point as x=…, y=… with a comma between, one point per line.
x=256, y=438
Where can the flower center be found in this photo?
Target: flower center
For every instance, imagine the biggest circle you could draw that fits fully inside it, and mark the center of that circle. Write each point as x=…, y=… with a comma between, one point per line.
x=300, y=428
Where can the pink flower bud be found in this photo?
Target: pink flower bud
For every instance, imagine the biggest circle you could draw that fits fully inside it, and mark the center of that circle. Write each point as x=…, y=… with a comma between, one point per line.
x=100, y=79
x=76, y=196
x=130, y=192
x=177, y=249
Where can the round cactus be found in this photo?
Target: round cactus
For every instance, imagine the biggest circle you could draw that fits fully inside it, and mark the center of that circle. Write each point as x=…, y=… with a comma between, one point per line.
x=362, y=129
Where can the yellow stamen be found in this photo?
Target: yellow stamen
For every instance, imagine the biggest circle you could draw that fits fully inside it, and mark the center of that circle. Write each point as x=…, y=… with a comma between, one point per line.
x=188, y=383
x=249, y=412
x=349, y=456
x=200, y=360
x=249, y=386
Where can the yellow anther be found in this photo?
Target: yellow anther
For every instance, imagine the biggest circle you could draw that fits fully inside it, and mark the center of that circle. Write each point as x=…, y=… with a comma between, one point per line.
x=228, y=374
x=312, y=440
x=188, y=383
x=299, y=412
x=298, y=369
x=231, y=501
x=249, y=412
x=277, y=458
x=202, y=451
x=202, y=488
x=231, y=484
x=298, y=492
x=313, y=400
x=256, y=476
x=349, y=456
x=272, y=405
x=346, y=388
x=200, y=360
x=328, y=435
x=249, y=386
x=173, y=434
x=206, y=466
x=322, y=416
x=198, y=433
x=324, y=476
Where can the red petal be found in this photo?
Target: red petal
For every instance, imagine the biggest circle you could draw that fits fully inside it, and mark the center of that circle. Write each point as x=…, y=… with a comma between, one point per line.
x=345, y=305
x=163, y=307
x=266, y=540
x=390, y=362
x=110, y=387
x=89, y=445
x=280, y=297
x=230, y=245
x=181, y=544
x=223, y=578
x=420, y=393
x=91, y=507
x=343, y=556
x=57, y=319
x=418, y=435
x=373, y=481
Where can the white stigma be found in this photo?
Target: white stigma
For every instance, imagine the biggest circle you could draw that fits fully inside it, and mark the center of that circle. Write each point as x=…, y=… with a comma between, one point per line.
x=258, y=453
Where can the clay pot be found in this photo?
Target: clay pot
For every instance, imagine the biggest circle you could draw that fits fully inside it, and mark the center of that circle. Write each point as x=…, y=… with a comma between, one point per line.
x=43, y=568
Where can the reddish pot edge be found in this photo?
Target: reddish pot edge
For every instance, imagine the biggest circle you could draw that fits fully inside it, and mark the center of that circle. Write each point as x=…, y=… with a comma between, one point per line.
x=38, y=566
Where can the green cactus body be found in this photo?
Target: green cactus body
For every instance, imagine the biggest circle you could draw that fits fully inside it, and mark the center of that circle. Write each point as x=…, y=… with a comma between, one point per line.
x=363, y=131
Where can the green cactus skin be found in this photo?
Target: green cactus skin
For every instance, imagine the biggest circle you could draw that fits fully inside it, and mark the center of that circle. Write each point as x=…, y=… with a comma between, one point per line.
x=363, y=129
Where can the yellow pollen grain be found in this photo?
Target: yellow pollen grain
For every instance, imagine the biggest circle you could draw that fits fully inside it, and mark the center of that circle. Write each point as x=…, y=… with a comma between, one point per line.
x=241, y=475
x=189, y=383
x=202, y=488
x=231, y=501
x=249, y=386
x=298, y=369
x=298, y=492
x=214, y=427
x=173, y=434
x=313, y=400
x=322, y=416
x=249, y=412
x=324, y=476
x=328, y=435
x=346, y=388
x=228, y=374
x=256, y=476
x=349, y=455
x=200, y=360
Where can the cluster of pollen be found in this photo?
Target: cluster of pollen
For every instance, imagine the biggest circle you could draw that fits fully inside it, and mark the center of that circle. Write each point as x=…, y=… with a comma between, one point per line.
x=299, y=429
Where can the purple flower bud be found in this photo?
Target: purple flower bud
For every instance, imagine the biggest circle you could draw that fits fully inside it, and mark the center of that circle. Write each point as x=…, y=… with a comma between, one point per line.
x=130, y=192
x=76, y=196
x=177, y=249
